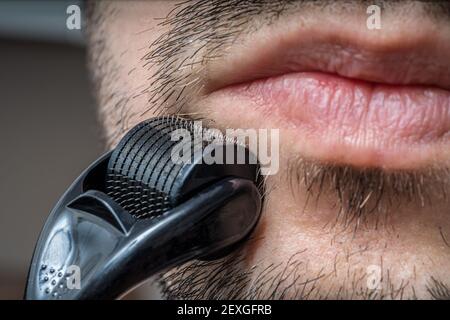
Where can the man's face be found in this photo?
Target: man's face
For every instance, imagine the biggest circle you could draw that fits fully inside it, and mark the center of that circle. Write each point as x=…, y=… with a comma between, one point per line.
x=359, y=207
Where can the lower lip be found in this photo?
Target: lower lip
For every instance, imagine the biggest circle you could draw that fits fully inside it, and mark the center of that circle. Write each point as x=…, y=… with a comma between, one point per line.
x=355, y=121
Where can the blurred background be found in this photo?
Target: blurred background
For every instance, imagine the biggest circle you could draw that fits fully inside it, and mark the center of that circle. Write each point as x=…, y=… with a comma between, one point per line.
x=48, y=127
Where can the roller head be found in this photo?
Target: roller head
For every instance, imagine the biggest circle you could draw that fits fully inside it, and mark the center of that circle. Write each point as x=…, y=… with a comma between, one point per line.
x=144, y=179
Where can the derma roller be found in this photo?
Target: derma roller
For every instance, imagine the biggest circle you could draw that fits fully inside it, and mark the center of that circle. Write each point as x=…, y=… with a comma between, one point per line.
x=135, y=212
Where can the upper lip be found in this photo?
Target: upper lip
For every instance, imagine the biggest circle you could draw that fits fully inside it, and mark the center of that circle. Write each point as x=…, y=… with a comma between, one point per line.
x=401, y=56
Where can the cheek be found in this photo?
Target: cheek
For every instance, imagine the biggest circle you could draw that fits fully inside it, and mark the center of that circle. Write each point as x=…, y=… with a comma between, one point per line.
x=128, y=36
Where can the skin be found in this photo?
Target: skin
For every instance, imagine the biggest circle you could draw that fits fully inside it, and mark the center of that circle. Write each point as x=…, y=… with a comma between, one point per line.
x=302, y=248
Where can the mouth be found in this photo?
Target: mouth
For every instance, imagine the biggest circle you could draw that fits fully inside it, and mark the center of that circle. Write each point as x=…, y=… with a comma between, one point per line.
x=369, y=100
